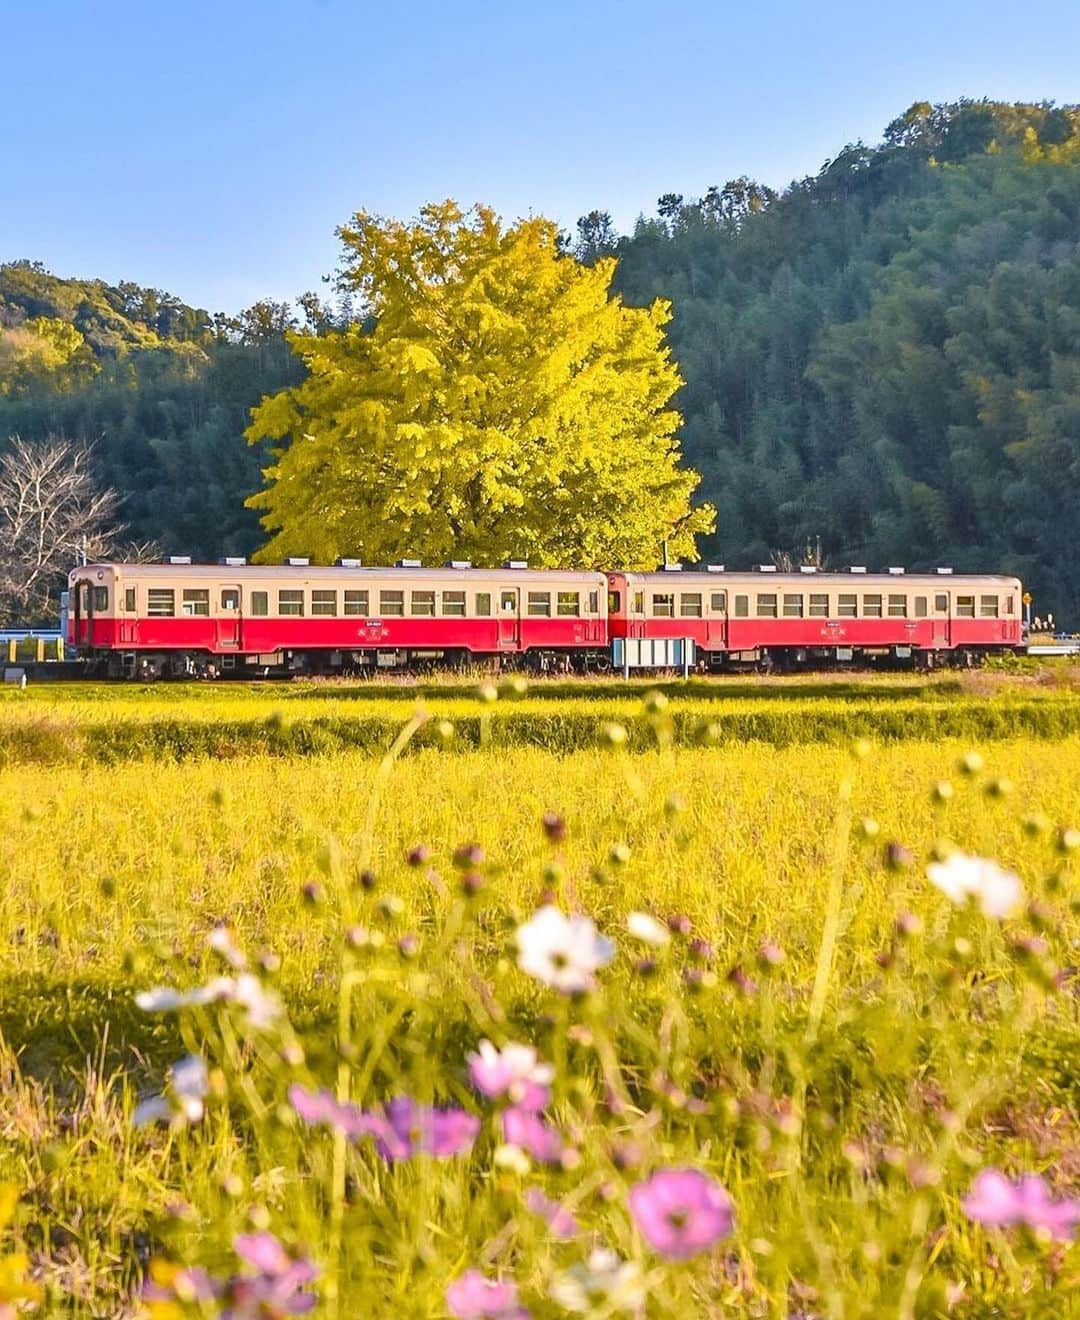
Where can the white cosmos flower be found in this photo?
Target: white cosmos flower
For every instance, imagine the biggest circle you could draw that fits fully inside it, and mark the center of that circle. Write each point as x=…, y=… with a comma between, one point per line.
x=221, y=941
x=262, y=1006
x=563, y=952
x=604, y=1284
x=183, y=1099
x=647, y=929
x=514, y=1071
x=960, y=877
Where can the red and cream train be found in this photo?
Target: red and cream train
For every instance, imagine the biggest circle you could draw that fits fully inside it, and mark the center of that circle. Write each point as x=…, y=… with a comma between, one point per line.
x=181, y=618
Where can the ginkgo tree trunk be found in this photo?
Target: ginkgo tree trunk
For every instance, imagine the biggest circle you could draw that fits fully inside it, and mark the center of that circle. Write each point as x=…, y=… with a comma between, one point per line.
x=495, y=401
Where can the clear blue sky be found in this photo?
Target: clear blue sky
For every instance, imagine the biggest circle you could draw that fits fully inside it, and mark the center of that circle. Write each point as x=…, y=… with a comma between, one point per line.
x=210, y=147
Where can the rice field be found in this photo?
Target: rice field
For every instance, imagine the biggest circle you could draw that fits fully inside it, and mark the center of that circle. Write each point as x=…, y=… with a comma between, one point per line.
x=782, y=1051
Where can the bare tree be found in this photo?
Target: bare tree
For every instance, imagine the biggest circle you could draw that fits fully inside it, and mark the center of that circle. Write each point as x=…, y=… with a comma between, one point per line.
x=51, y=513
x=811, y=556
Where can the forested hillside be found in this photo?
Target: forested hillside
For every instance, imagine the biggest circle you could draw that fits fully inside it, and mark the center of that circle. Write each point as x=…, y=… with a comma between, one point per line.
x=884, y=357
x=887, y=356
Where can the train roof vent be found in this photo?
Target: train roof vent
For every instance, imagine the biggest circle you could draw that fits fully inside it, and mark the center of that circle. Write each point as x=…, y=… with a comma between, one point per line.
x=896, y=570
x=808, y=568
x=857, y=568
x=945, y=570
x=671, y=568
x=766, y=568
x=177, y=559
x=516, y=563
x=298, y=561
x=408, y=563
x=233, y=561
x=714, y=568
x=349, y=563
x=461, y=563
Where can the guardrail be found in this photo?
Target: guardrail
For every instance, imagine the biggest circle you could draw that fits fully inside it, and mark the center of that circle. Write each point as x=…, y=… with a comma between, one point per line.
x=41, y=645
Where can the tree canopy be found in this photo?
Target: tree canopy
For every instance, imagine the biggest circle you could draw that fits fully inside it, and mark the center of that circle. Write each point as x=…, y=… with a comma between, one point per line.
x=496, y=401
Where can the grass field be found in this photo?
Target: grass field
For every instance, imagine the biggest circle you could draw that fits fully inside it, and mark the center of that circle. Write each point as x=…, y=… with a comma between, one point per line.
x=810, y=1024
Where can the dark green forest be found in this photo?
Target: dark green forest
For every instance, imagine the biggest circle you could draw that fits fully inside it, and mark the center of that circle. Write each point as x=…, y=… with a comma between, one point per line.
x=882, y=360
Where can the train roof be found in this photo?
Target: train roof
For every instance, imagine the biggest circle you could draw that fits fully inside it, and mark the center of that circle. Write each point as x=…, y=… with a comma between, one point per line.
x=271, y=572
x=832, y=579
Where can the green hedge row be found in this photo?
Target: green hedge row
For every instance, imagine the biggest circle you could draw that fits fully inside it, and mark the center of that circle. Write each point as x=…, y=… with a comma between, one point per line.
x=54, y=741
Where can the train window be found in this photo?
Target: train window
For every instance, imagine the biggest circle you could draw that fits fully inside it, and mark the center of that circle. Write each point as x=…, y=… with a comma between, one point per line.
x=639, y=602
x=324, y=602
x=290, y=602
x=423, y=603
x=663, y=606
x=819, y=604
x=965, y=607
x=614, y=601
x=568, y=603
x=871, y=606
x=690, y=606
x=161, y=602
x=129, y=599
x=230, y=598
x=453, y=604
x=356, y=602
x=988, y=607
x=392, y=603
x=539, y=604
x=195, y=601
x=941, y=604
x=259, y=603
x=1010, y=605
x=101, y=600
x=920, y=607
x=766, y=605
x=483, y=603
x=719, y=602
x=897, y=607
x=508, y=602
x=742, y=607
x=793, y=606
x=594, y=602
x=847, y=605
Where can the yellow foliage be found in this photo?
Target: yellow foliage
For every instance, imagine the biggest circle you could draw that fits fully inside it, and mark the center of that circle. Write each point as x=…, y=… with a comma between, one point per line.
x=44, y=351
x=504, y=404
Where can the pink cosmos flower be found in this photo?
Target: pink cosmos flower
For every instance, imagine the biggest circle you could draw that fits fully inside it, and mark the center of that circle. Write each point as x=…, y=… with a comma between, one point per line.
x=513, y=1071
x=561, y=1222
x=522, y=1127
x=185, y=1285
x=406, y=1128
x=999, y=1203
x=316, y=1107
x=277, y=1287
x=681, y=1212
x=472, y=1296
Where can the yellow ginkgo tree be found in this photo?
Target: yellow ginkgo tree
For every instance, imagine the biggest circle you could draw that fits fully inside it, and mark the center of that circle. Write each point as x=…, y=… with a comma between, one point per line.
x=495, y=401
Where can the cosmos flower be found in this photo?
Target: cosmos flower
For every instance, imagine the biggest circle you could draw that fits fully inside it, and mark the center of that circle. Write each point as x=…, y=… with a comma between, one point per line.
x=961, y=877
x=647, y=929
x=999, y=1203
x=182, y=1100
x=221, y=941
x=681, y=1212
x=513, y=1071
x=169, y=1284
x=604, y=1284
x=524, y=1128
x=406, y=1128
x=473, y=1296
x=262, y=1007
x=563, y=952
x=560, y=1221
x=320, y=1107
x=277, y=1288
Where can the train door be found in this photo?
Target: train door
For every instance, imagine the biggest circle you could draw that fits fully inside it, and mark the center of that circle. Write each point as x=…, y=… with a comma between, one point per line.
x=229, y=619
x=127, y=615
x=510, y=617
x=941, y=633
x=635, y=607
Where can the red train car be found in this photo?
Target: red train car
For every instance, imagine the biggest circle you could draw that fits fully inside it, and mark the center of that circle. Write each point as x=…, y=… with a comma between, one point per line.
x=812, y=618
x=176, y=618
